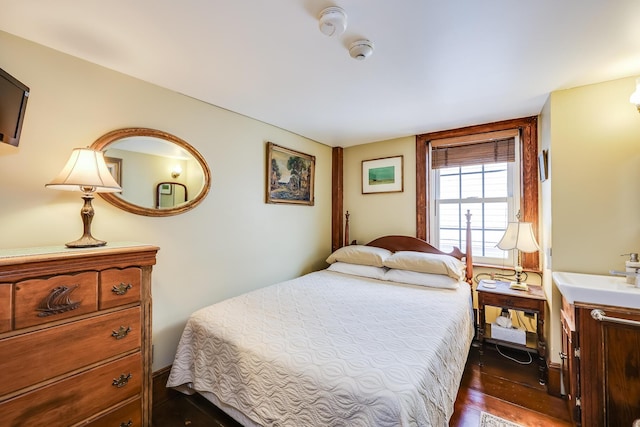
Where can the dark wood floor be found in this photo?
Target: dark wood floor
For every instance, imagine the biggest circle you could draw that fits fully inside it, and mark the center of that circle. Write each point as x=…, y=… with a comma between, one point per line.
x=506, y=389
x=501, y=387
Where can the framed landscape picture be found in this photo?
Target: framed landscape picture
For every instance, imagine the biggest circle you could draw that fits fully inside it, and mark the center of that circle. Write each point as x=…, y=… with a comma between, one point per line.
x=290, y=176
x=382, y=175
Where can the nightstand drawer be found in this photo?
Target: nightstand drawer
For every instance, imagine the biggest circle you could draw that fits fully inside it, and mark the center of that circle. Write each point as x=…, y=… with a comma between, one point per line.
x=509, y=301
x=39, y=301
x=76, y=398
x=67, y=348
x=118, y=287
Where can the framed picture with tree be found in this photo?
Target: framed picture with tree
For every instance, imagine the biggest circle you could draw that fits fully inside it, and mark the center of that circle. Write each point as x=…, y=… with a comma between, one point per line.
x=290, y=176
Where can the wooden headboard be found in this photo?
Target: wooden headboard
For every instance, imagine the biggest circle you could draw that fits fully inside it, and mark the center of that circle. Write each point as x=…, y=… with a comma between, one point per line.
x=408, y=243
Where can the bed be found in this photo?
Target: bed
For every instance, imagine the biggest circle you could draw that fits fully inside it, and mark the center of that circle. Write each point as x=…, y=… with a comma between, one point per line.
x=380, y=338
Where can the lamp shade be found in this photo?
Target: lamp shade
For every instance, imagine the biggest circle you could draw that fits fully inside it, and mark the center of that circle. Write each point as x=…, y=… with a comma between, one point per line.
x=519, y=235
x=85, y=169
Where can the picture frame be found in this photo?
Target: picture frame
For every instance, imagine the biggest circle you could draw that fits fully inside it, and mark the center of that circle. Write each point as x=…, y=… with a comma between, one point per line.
x=165, y=188
x=384, y=175
x=543, y=165
x=290, y=176
x=114, y=164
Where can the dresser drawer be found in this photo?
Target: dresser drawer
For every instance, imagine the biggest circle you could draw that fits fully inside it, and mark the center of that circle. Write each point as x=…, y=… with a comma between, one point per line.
x=118, y=287
x=39, y=301
x=76, y=398
x=129, y=415
x=30, y=358
x=6, y=303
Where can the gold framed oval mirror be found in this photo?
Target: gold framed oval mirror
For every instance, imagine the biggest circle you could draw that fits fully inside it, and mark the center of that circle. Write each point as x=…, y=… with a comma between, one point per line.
x=142, y=158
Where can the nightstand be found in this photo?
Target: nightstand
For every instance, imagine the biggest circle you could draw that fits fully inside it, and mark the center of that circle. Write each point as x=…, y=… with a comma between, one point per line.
x=530, y=302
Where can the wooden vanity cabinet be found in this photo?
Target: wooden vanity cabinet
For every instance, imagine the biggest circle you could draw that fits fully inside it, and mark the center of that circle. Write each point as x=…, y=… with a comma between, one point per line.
x=75, y=336
x=570, y=361
x=608, y=366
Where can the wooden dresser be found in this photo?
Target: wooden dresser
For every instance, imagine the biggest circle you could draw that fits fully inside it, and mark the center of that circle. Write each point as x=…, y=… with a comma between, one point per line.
x=75, y=336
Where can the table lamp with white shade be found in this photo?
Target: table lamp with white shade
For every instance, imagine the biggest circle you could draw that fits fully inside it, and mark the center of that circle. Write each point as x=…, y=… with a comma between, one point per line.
x=86, y=171
x=519, y=236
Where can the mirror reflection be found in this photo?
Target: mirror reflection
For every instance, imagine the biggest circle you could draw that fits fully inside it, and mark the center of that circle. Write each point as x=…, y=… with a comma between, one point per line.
x=170, y=194
x=159, y=173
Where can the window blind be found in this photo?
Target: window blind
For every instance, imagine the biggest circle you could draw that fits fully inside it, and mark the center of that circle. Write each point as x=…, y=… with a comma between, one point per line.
x=498, y=151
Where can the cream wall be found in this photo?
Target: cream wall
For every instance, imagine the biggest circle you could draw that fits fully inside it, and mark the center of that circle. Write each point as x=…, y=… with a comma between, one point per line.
x=375, y=215
x=231, y=243
x=595, y=170
x=591, y=204
x=553, y=332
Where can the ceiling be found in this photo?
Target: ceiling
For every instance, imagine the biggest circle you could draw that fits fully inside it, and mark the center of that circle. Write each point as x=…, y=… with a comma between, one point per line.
x=436, y=65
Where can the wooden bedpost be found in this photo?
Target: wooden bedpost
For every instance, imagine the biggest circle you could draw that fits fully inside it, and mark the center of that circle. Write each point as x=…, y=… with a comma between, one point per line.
x=468, y=257
x=346, y=229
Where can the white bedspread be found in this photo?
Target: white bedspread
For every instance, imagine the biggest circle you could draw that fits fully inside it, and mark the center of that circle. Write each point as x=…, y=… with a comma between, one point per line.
x=328, y=349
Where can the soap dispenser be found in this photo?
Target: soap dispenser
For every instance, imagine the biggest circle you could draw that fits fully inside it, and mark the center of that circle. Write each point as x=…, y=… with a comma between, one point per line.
x=632, y=265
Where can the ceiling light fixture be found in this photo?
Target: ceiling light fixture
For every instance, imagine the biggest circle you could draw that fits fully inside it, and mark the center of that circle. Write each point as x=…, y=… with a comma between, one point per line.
x=635, y=96
x=361, y=49
x=333, y=21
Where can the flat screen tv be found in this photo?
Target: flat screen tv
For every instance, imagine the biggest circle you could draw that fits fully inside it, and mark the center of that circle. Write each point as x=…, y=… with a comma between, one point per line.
x=13, y=104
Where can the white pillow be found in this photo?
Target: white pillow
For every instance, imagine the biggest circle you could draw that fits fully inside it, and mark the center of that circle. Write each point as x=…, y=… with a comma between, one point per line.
x=423, y=262
x=358, y=270
x=360, y=254
x=422, y=279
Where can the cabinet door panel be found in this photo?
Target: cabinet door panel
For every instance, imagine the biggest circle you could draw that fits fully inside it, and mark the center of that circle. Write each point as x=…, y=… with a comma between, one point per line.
x=622, y=374
x=570, y=365
x=610, y=368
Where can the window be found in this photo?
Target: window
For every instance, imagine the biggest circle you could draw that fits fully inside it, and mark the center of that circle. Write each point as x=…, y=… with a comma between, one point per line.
x=475, y=183
x=479, y=177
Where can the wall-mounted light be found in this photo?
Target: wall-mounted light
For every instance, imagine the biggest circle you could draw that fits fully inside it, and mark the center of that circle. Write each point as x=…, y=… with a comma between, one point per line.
x=176, y=171
x=86, y=171
x=635, y=96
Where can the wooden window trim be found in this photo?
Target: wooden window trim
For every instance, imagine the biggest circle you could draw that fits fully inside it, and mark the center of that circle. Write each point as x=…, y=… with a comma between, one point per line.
x=528, y=129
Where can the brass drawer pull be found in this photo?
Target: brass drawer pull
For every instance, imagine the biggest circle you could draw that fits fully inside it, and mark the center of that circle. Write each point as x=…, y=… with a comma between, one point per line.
x=121, y=333
x=127, y=424
x=122, y=381
x=121, y=289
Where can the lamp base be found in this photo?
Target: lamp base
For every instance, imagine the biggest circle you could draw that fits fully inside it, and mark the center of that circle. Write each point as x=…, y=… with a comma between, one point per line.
x=86, y=242
x=519, y=286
